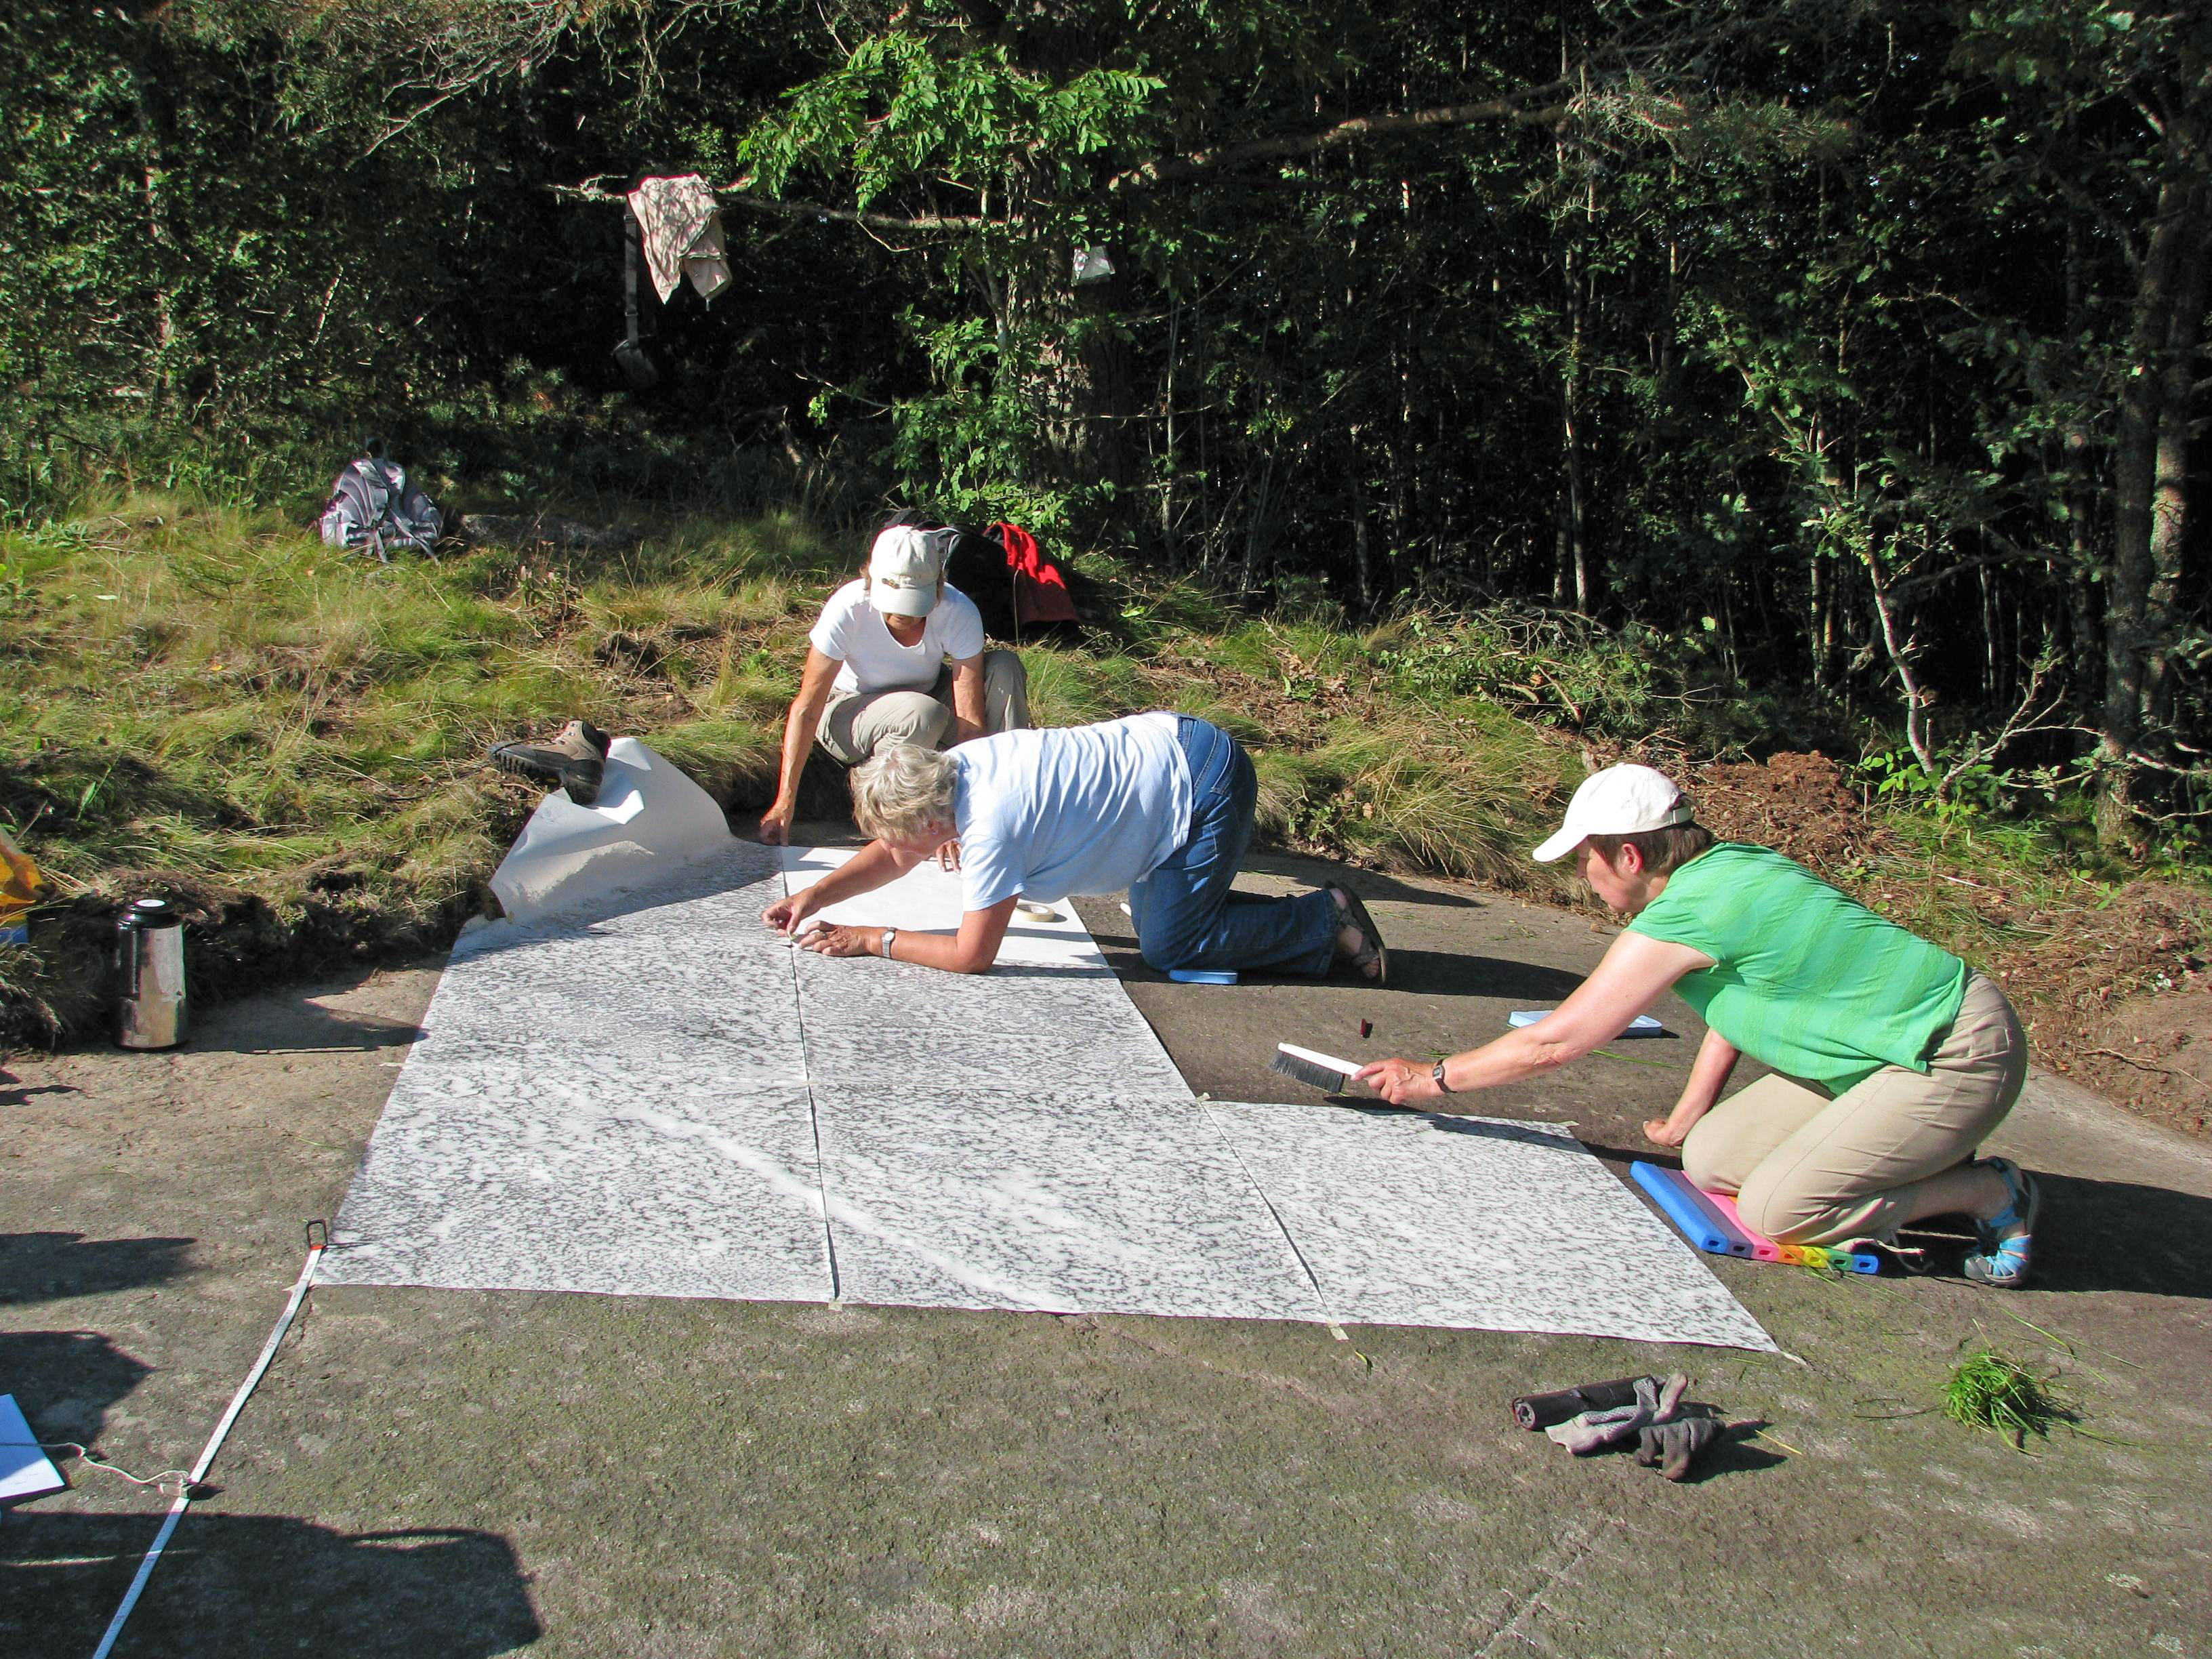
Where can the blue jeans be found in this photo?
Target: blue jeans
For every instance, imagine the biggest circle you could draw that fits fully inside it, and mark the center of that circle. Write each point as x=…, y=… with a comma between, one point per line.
x=1185, y=913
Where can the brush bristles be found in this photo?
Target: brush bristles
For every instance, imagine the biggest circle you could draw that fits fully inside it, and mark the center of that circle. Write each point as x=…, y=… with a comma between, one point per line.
x=1315, y=1071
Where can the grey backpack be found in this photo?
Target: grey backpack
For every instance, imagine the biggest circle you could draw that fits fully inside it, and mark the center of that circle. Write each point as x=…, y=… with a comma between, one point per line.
x=375, y=507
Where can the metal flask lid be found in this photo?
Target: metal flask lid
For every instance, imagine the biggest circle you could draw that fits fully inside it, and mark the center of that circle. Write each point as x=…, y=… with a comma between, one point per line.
x=150, y=1005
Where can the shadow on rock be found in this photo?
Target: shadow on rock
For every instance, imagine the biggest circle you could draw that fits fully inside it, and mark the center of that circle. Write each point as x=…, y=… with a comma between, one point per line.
x=1374, y=886
x=301, y=1026
x=2120, y=1236
x=65, y=1381
x=1448, y=973
x=2092, y=1235
x=250, y=1583
x=47, y=1266
x=14, y=1091
x=1736, y=1452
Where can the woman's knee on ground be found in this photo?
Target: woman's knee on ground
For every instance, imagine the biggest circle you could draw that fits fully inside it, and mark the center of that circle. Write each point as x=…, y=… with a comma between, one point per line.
x=1164, y=949
x=1792, y=1211
x=1006, y=690
x=908, y=717
x=1711, y=1159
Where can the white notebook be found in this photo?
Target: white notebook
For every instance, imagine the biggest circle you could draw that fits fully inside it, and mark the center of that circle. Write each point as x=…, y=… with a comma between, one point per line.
x=25, y=1471
x=1642, y=1025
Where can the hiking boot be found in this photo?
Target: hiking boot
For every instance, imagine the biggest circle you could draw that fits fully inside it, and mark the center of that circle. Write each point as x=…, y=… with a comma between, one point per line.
x=575, y=759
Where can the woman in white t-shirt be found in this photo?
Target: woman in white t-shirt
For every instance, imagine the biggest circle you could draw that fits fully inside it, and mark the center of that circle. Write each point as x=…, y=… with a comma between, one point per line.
x=896, y=656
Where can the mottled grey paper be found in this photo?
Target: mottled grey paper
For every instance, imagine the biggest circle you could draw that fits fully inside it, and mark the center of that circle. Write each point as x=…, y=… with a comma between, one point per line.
x=614, y=1099
x=1064, y=1200
x=1410, y=1220
x=653, y=1095
x=613, y=1166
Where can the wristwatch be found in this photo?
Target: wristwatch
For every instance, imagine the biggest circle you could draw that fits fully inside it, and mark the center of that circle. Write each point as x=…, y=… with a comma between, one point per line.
x=890, y=933
x=1436, y=1072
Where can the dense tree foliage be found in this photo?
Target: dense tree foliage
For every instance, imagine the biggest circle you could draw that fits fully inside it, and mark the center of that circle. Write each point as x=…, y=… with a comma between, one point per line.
x=1862, y=340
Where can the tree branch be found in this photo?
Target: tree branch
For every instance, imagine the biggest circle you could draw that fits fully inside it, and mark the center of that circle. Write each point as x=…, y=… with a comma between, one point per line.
x=2013, y=554
x=1511, y=108
x=735, y=196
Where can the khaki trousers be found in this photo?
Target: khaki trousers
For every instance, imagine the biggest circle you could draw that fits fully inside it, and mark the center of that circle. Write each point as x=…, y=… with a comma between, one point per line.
x=856, y=723
x=1807, y=1170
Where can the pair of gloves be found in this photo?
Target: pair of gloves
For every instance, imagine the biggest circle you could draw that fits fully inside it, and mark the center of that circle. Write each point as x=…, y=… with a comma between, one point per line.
x=1670, y=1433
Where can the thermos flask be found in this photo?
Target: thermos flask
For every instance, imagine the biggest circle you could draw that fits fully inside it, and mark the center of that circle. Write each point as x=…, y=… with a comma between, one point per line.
x=149, y=961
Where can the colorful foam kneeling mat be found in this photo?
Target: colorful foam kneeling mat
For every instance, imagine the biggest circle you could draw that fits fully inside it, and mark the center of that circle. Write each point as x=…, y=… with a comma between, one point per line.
x=1709, y=1221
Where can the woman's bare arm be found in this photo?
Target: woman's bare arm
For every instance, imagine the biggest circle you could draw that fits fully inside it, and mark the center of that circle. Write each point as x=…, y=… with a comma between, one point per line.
x=1634, y=974
x=800, y=726
x=1709, y=1075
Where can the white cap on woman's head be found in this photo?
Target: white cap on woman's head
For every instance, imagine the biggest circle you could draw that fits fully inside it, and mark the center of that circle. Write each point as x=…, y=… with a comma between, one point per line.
x=904, y=577
x=1621, y=800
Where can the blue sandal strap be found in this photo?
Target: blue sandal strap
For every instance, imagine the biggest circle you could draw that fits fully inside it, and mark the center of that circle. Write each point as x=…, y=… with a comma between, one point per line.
x=2006, y=1260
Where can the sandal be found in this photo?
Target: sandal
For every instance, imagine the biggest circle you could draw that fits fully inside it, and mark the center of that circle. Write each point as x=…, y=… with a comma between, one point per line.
x=2005, y=1261
x=1371, y=953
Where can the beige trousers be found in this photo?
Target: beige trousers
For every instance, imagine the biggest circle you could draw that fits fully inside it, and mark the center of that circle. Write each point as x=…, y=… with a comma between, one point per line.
x=856, y=723
x=1808, y=1170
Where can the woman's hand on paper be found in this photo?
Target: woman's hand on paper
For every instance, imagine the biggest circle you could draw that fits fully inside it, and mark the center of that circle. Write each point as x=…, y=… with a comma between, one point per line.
x=827, y=939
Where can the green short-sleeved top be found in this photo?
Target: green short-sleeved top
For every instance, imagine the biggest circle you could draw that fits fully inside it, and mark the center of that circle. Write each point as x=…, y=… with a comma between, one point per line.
x=1805, y=979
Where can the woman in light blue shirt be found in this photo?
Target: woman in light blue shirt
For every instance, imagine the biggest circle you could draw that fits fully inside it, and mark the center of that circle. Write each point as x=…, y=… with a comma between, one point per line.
x=1160, y=803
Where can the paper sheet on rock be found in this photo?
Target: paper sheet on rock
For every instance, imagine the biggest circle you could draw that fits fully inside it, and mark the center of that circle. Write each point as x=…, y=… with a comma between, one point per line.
x=651, y=1094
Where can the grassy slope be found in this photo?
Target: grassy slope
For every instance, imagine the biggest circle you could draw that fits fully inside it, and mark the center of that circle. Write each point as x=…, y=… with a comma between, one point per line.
x=291, y=742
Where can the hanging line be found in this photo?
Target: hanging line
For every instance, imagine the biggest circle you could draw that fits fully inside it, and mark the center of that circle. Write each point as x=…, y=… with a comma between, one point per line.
x=315, y=1249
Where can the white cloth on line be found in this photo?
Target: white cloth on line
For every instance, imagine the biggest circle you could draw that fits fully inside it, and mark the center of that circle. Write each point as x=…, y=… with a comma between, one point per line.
x=682, y=234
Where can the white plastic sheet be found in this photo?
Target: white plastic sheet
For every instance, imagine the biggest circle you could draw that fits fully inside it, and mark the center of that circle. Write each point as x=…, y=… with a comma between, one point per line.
x=649, y=819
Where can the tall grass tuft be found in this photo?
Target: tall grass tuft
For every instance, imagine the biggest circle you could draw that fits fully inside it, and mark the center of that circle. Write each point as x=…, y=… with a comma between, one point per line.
x=1986, y=1390
x=1440, y=790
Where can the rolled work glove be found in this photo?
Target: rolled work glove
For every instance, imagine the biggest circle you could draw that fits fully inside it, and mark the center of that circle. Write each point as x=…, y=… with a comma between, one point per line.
x=1675, y=1447
x=1655, y=1402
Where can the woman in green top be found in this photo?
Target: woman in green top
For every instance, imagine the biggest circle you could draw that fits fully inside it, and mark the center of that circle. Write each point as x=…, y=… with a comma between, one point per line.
x=1919, y=1056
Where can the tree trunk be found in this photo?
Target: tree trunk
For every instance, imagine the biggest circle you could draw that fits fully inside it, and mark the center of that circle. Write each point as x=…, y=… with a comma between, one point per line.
x=1060, y=349
x=1169, y=467
x=2085, y=624
x=152, y=78
x=2169, y=516
x=2150, y=479
x=1363, y=557
x=1571, y=545
x=1571, y=559
x=1099, y=401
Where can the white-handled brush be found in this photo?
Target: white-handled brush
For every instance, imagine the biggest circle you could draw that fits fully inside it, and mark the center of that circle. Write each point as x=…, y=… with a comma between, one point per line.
x=1323, y=1072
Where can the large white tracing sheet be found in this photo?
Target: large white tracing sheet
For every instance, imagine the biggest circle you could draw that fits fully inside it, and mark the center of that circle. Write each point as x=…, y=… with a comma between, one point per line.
x=649, y=1094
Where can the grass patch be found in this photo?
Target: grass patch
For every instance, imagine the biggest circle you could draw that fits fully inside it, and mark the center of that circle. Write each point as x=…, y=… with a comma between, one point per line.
x=1445, y=790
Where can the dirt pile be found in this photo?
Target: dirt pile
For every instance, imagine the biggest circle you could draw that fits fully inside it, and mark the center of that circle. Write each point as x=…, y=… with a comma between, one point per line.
x=1800, y=805
x=2116, y=995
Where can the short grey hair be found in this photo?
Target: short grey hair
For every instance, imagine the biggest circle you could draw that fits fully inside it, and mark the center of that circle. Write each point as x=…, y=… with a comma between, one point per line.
x=902, y=791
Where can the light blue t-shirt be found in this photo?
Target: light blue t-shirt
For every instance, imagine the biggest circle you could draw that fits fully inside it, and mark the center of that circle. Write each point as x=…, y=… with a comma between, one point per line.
x=1074, y=809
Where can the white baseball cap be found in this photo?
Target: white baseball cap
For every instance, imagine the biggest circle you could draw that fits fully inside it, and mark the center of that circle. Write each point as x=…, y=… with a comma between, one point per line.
x=1621, y=800
x=904, y=575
